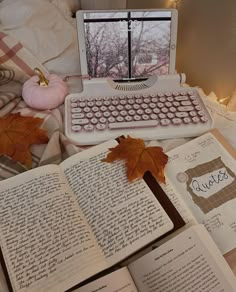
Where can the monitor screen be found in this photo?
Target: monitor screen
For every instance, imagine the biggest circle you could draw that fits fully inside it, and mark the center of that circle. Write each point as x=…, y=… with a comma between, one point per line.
x=127, y=44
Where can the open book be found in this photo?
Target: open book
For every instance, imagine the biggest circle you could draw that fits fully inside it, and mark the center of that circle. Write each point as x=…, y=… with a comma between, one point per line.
x=59, y=225
x=201, y=183
x=188, y=262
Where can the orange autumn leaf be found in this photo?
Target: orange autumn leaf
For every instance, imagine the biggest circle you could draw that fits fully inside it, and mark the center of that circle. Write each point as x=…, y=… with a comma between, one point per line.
x=17, y=134
x=138, y=158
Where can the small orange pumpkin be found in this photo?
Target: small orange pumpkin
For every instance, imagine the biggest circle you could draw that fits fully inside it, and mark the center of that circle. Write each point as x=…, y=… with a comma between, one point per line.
x=41, y=93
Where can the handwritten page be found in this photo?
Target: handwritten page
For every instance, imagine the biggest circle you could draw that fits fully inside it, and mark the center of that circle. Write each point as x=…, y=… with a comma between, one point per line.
x=123, y=216
x=118, y=281
x=45, y=240
x=188, y=262
x=202, y=173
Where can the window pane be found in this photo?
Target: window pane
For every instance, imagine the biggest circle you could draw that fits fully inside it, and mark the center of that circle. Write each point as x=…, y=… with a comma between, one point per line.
x=107, y=50
x=151, y=14
x=96, y=15
x=150, y=48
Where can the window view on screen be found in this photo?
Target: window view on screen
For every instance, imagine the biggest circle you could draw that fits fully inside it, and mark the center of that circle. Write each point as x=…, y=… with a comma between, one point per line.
x=127, y=44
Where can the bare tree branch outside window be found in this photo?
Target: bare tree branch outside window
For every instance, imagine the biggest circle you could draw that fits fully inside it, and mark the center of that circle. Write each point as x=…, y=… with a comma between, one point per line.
x=107, y=47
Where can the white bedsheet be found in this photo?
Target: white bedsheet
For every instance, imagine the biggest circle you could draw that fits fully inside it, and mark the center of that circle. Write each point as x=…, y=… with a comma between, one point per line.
x=46, y=30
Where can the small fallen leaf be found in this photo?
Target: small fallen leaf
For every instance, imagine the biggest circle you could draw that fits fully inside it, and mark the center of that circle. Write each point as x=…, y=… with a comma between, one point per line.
x=17, y=134
x=139, y=158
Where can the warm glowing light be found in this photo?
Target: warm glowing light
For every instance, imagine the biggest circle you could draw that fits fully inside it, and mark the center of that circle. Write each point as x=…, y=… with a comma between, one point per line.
x=224, y=100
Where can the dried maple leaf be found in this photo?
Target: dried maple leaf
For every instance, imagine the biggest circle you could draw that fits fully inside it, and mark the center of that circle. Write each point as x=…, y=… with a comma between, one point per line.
x=17, y=134
x=139, y=158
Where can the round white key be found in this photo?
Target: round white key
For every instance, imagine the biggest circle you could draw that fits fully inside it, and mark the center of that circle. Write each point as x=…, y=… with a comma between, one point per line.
x=185, y=108
x=88, y=128
x=195, y=119
x=82, y=104
x=148, y=111
x=74, y=99
x=181, y=114
x=103, y=108
x=170, y=115
x=176, y=103
x=95, y=109
x=90, y=103
x=120, y=119
x=89, y=115
x=76, y=128
x=76, y=110
x=128, y=107
x=111, y=119
x=128, y=118
x=193, y=114
x=111, y=108
x=152, y=105
x=140, y=111
x=80, y=121
x=187, y=120
x=176, y=121
x=120, y=107
x=170, y=98
x=98, y=114
x=136, y=106
x=87, y=109
x=100, y=127
x=145, y=117
x=137, y=118
x=94, y=121
x=165, y=122
x=198, y=107
x=204, y=119
x=181, y=98
x=172, y=109
x=168, y=104
x=162, y=116
x=156, y=110
x=200, y=113
x=102, y=120
x=123, y=113
x=164, y=110
x=115, y=102
x=186, y=102
x=131, y=112
x=78, y=116
x=106, y=114
x=98, y=103
x=131, y=101
x=115, y=113
x=144, y=105
x=153, y=116
x=106, y=102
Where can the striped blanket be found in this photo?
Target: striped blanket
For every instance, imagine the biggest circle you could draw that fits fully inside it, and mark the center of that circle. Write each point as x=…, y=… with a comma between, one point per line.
x=16, y=66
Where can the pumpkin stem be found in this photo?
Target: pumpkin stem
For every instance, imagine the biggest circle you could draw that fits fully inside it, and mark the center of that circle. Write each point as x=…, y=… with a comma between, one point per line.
x=42, y=79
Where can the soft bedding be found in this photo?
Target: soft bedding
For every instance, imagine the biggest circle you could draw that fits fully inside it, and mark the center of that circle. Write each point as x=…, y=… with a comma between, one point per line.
x=43, y=34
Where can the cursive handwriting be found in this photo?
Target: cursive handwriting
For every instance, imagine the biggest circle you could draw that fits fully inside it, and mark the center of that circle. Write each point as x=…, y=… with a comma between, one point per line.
x=208, y=184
